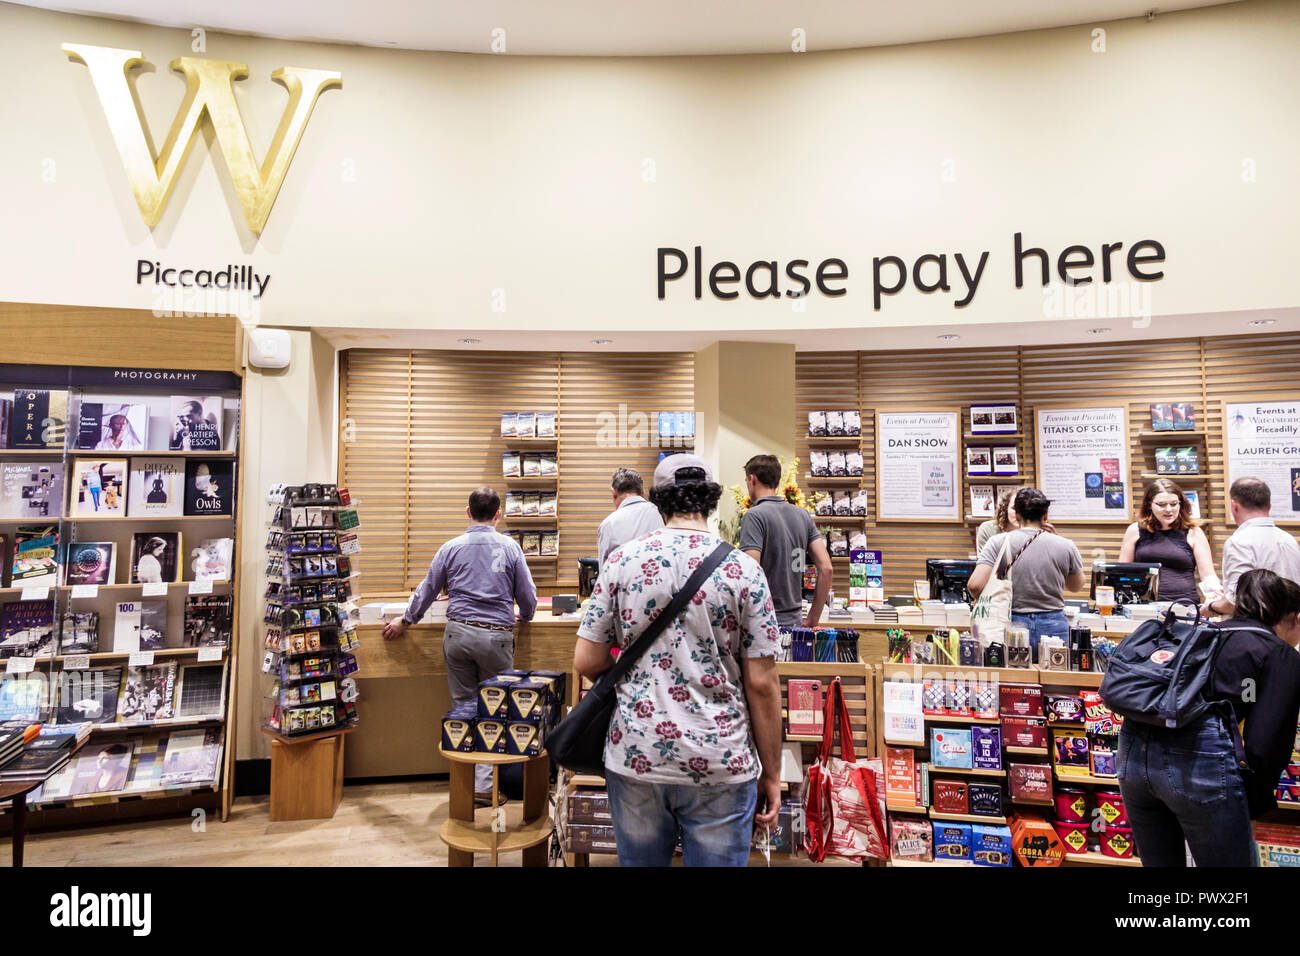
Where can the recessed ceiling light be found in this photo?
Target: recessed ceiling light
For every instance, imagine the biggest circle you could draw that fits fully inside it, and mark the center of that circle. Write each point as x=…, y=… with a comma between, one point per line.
x=468, y=341
x=1259, y=322
x=1098, y=331
x=602, y=341
x=949, y=337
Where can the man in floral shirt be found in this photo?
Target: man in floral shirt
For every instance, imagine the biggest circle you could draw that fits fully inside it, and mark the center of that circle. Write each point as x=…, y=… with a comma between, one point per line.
x=695, y=740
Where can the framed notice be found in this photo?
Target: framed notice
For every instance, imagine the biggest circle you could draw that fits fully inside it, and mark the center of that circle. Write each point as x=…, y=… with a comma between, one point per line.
x=1262, y=440
x=1082, y=463
x=918, y=462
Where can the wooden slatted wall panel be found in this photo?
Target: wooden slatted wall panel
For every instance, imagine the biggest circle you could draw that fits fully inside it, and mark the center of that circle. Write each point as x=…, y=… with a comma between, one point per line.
x=1206, y=372
x=421, y=429
x=456, y=403
x=1133, y=374
x=1240, y=369
x=609, y=405
x=375, y=408
x=828, y=381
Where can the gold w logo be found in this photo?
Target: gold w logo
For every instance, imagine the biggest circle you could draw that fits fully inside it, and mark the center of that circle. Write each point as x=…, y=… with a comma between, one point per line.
x=209, y=92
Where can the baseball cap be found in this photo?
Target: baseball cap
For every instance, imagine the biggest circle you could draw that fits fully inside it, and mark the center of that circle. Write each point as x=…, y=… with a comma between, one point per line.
x=666, y=472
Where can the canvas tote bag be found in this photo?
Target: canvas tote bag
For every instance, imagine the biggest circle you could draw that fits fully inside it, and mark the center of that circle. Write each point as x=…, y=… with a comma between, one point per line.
x=844, y=797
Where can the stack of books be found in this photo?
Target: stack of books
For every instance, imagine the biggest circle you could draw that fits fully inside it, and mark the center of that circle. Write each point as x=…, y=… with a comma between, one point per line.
x=883, y=613
x=42, y=756
x=13, y=734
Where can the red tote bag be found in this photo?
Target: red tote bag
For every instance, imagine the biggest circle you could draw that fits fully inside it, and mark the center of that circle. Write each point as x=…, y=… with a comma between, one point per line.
x=844, y=797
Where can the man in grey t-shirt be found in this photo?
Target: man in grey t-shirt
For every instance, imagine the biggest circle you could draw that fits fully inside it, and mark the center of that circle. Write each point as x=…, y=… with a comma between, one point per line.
x=782, y=538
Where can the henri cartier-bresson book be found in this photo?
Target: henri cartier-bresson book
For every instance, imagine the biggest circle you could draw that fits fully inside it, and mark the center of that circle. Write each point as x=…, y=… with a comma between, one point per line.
x=113, y=426
x=38, y=418
x=31, y=490
x=196, y=423
x=98, y=487
x=156, y=488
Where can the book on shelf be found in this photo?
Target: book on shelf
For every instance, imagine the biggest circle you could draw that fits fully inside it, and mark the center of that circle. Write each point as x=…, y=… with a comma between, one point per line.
x=213, y=559
x=89, y=695
x=525, y=425
x=140, y=626
x=804, y=707
x=199, y=690
x=156, y=488
x=98, y=488
x=209, y=487
x=196, y=423
x=531, y=542
x=80, y=633
x=667, y=425
x=514, y=504
x=6, y=415
x=532, y=504
x=546, y=424
x=548, y=504
x=549, y=543
x=156, y=557
x=508, y=425
x=31, y=490
x=103, y=768
x=38, y=418
x=37, y=761
x=511, y=464
x=27, y=629
x=192, y=757
x=148, y=693
x=835, y=424
x=112, y=426
x=23, y=696
x=817, y=425
x=1194, y=502
x=90, y=562
x=981, y=501
x=531, y=466
x=209, y=620
x=900, y=774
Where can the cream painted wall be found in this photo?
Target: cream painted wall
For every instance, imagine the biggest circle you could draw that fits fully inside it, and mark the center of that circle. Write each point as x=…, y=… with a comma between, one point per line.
x=745, y=406
x=288, y=436
x=430, y=180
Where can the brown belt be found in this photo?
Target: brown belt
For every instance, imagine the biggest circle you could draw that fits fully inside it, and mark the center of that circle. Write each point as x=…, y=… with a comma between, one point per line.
x=490, y=627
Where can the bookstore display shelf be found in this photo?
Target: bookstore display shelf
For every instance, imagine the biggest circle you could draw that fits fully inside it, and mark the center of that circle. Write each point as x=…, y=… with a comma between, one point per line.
x=168, y=723
x=1029, y=802
x=904, y=743
x=839, y=519
x=956, y=863
x=1064, y=776
x=92, y=453
x=84, y=519
x=60, y=588
x=93, y=656
x=1288, y=806
x=833, y=480
x=550, y=441
x=587, y=780
x=940, y=719
x=302, y=738
x=477, y=837
x=531, y=479
x=1196, y=478
x=1171, y=434
x=965, y=817
x=993, y=478
x=1084, y=679
x=833, y=439
x=542, y=558
x=532, y=519
x=905, y=808
x=990, y=437
x=1032, y=751
x=1094, y=858
x=120, y=796
x=804, y=738
x=968, y=771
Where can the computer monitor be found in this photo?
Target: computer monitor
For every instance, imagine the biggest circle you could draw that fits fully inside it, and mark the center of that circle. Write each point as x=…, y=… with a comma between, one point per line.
x=948, y=577
x=1135, y=582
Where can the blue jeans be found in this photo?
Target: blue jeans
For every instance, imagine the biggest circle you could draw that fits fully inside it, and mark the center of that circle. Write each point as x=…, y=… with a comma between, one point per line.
x=1185, y=785
x=716, y=821
x=1040, y=623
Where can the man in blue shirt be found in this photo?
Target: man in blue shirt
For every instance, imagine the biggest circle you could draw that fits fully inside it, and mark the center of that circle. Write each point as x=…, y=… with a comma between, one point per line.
x=485, y=575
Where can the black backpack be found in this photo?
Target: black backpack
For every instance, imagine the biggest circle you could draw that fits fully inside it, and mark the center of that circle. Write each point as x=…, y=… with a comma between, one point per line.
x=1161, y=673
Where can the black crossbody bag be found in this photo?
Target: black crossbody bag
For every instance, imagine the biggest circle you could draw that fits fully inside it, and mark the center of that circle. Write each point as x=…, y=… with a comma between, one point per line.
x=578, y=741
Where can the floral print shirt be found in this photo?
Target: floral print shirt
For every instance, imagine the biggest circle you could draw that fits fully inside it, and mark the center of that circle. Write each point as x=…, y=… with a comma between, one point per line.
x=681, y=716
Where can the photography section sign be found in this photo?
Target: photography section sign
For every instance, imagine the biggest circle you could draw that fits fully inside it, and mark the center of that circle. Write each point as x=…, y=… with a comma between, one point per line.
x=1263, y=441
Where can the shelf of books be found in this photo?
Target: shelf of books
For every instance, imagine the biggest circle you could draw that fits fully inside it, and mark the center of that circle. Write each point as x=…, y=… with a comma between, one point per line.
x=310, y=620
x=119, y=577
x=987, y=764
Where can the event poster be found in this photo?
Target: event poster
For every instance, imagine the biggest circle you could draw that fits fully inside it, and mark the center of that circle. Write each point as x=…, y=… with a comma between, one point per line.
x=1263, y=441
x=918, y=466
x=1082, y=458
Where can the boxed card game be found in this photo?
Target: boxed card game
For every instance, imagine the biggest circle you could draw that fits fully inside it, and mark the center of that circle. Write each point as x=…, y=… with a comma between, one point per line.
x=950, y=796
x=952, y=841
x=990, y=845
x=492, y=699
x=489, y=736
x=986, y=747
x=1025, y=732
x=910, y=839
x=1021, y=700
x=951, y=747
x=985, y=799
x=1030, y=781
x=458, y=728
x=524, y=738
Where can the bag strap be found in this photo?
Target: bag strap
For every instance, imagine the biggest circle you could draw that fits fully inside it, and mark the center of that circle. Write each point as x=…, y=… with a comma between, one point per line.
x=633, y=652
x=1032, y=539
x=835, y=709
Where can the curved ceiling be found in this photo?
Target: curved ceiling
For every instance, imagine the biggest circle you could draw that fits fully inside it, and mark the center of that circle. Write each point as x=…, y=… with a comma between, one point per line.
x=604, y=28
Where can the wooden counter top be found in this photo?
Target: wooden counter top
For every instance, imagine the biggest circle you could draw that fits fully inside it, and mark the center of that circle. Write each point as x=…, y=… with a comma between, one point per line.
x=545, y=643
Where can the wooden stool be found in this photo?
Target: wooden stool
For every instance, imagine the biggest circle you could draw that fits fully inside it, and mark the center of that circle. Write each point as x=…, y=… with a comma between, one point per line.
x=306, y=775
x=500, y=829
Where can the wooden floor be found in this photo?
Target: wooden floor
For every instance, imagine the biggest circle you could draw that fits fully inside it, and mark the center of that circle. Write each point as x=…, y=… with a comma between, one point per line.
x=391, y=824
